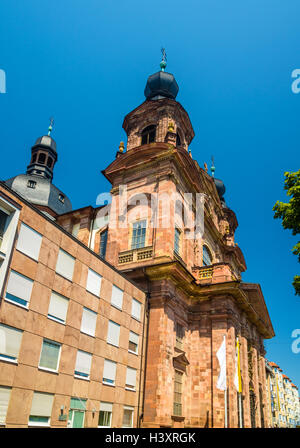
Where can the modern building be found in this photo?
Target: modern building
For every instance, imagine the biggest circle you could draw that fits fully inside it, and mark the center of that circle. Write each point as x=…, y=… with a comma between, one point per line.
x=170, y=270
x=283, y=398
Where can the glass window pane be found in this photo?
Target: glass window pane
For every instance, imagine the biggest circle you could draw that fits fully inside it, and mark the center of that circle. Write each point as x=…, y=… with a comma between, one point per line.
x=49, y=355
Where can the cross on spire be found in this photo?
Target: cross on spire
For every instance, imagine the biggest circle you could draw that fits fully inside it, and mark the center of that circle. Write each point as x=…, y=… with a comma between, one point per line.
x=50, y=125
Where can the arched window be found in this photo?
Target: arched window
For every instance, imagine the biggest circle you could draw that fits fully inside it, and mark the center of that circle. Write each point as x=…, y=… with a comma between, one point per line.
x=206, y=257
x=42, y=157
x=103, y=243
x=148, y=135
x=178, y=140
x=49, y=162
x=34, y=158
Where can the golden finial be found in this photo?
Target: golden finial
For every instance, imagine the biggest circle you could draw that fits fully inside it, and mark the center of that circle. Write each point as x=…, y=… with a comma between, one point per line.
x=171, y=126
x=121, y=147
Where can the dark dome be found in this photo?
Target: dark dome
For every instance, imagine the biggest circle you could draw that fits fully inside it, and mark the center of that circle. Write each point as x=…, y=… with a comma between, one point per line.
x=220, y=187
x=161, y=85
x=47, y=141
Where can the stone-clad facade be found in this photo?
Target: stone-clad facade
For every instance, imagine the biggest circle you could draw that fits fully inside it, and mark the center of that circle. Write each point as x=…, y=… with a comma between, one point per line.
x=191, y=274
x=23, y=376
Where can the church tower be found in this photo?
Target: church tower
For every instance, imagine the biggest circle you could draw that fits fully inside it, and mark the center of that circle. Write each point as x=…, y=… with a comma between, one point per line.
x=193, y=278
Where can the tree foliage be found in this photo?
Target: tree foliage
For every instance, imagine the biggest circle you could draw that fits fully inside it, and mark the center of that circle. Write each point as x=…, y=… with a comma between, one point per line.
x=290, y=214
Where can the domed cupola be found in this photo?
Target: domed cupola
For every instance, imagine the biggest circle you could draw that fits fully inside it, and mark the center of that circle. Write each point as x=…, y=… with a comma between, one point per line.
x=219, y=185
x=36, y=185
x=161, y=84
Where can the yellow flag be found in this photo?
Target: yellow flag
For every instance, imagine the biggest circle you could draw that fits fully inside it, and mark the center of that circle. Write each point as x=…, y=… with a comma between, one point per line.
x=238, y=378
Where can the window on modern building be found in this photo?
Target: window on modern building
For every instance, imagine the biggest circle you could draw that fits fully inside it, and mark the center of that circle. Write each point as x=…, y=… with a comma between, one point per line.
x=50, y=355
x=61, y=198
x=130, y=378
x=148, y=135
x=77, y=413
x=178, y=140
x=83, y=365
x=103, y=243
x=178, y=393
x=105, y=415
x=65, y=264
x=88, y=322
x=58, y=307
x=93, y=284
x=113, y=333
x=109, y=372
x=4, y=402
x=41, y=409
x=42, y=158
x=19, y=289
x=31, y=184
x=3, y=222
x=179, y=336
x=133, y=345
x=117, y=297
x=10, y=342
x=177, y=241
x=136, y=309
x=138, y=234
x=29, y=241
x=128, y=417
x=49, y=162
x=206, y=258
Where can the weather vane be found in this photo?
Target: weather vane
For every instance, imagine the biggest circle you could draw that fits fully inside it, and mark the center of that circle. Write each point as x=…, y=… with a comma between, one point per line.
x=213, y=168
x=163, y=63
x=50, y=125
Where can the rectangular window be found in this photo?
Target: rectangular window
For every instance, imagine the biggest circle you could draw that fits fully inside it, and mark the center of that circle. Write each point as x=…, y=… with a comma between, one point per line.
x=10, y=341
x=50, y=355
x=58, y=307
x=177, y=241
x=136, y=309
x=93, y=282
x=65, y=264
x=77, y=413
x=19, y=289
x=109, y=372
x=113, y=333
x=41, y=409
x=105, y=415
x=130, y=378
x=138, y=234
x=29, y=241
x=179, y=336
x=83, y=365
x=128, y=417
x=88, y=322
x=117, y=297
x=4, y=401
x=3, y=220
x=178, y=393
x=133, y=342
x=103, y=243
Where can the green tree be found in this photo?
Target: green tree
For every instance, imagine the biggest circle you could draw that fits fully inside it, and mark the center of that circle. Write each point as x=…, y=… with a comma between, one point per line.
x=290, y=214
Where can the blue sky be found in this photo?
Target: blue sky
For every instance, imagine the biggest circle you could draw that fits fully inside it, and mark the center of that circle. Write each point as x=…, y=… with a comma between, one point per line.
x=86, y=63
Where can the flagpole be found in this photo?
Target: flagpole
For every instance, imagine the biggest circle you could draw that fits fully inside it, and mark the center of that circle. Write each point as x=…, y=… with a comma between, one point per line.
x=225, y=400
x=240, y=409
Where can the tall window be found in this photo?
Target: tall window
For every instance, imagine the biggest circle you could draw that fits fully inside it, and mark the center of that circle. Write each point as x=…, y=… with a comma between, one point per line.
x=178, y=140
x=93, y=283
x=103, y=243
x=206, y=258
x=65, y=264
x=109, y=372
x=50, y=355
x=148, y=135
x=83, y=365
x=88, y=322
x=117, y=297
x=113, y=333
x=58, y=307
x=19, y=289
x=177, y=241
x=179, y=336
x=130, y=378
x=3, y=218
x=105, y=415
x=128, y=417
x=138, y=234
x=4, y=401
x=10, y=341
x=178, y=393
x=133, y=344
x=29, y=241
x=42, y=158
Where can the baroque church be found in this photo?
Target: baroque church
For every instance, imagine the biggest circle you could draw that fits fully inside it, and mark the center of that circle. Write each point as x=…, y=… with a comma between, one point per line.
x=194, y=295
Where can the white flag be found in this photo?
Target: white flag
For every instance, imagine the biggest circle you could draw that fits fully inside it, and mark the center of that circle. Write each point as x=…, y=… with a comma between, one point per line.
x=221, y=355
